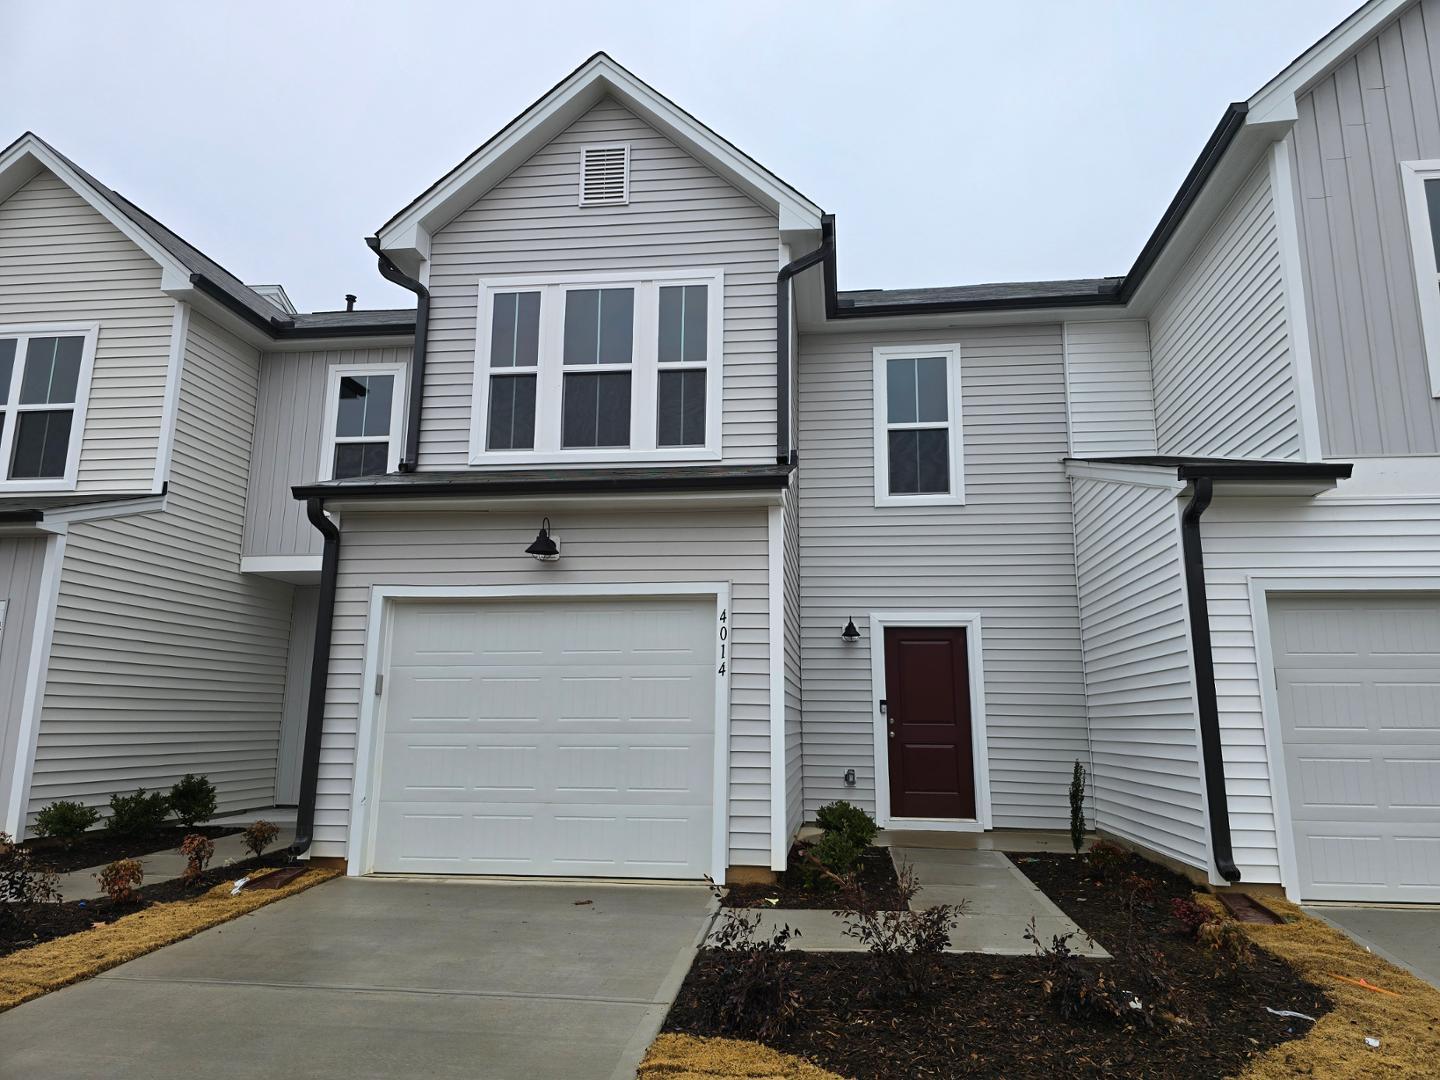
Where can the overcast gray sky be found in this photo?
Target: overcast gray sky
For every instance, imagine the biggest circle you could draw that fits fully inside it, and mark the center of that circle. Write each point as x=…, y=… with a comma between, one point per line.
x=957, y=142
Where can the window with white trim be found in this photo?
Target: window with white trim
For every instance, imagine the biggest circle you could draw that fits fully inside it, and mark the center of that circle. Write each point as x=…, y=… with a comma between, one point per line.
x=364, y=416
x=599, y=368
x=1421, y=182
x=44, y=384
x=918, y=451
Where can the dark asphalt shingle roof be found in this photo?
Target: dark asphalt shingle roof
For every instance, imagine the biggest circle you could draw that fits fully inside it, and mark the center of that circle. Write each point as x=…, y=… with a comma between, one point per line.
x=551, y=481
x=35, y=507
x=1004, y=291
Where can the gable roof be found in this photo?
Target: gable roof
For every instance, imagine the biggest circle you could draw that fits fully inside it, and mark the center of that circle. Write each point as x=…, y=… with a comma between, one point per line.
x=406, y=236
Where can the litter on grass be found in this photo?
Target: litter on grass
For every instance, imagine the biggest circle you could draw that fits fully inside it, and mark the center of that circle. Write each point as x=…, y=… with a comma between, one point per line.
x=1289, y=1012
x=1366, y=985
x=1371, y=1040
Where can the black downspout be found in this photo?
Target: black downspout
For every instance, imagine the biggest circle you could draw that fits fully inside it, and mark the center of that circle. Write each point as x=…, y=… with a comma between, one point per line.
x=390, y=272
x=784, y=452
x=1210, y=752
x=319, y=675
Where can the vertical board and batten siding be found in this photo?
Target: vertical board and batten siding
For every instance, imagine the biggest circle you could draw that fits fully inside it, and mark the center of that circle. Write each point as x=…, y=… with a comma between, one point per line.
x=1111, y=393
x=1328, y=536
x=289, y=437
x=1007, y=553
x=680, y=214
x=794, y=688
x=1140, y=688
x=458, y=549
x=61, y=261
x=22, y=562
x=1378, y=108
x=166, y=659
x=1219, y=341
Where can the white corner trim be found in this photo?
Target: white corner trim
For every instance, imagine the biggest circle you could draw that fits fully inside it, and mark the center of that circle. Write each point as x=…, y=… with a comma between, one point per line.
x=360, y=833
x=779, y=831
x=36, y=670
x=1413, y=175
x=954, y=424
x=1292, y=277
x=175, y=366
x=969, y=621
x=1067, y=375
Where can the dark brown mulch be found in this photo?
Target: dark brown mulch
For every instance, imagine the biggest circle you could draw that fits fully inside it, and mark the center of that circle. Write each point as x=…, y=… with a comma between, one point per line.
x=988, y=1016
x=99, y=848
x=877, y=876
x=45, y=922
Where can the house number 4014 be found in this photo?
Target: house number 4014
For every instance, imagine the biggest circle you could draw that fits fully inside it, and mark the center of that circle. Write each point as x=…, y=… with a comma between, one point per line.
x=724, y=638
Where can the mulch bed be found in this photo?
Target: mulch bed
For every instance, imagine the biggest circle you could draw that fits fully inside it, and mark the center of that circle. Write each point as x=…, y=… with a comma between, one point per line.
x=877, y=876
x=46, y=922
x=988, y=1015
x=99, y=848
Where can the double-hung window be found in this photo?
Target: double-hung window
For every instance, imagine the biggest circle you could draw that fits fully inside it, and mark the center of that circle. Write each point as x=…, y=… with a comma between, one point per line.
x=363, y=420
x=598, y=369
x=1421, y=182
x=918, y=453
x=44, y=384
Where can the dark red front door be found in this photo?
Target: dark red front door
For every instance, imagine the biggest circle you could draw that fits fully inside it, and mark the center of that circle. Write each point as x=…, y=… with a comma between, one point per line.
x=927, y=701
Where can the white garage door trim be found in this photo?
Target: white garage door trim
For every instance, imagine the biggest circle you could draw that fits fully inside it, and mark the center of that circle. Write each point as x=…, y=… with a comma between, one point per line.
x=1260, y=588
x=360, y=841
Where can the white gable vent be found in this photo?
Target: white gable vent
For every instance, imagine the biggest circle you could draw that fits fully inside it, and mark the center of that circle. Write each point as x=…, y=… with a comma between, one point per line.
x=605, y=174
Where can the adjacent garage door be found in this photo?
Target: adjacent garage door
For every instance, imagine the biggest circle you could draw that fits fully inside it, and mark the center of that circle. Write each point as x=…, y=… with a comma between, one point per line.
x=569, y=738
x=1359, y=691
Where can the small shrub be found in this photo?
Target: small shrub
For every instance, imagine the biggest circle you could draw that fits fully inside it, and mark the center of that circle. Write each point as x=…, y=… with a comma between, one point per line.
x=756, y=998
x=192, y=800
x=120, y=879
x=1230, y=944
x=828, y=860
x=138, y=814
x=22, y=883
x=66, y=821
x=198, y=850
x=1190, y=915
x=259, y=835
x=1105, y=859
x=1077, y=806
x=1081, y=990
x=850, y=821
x=904, y=945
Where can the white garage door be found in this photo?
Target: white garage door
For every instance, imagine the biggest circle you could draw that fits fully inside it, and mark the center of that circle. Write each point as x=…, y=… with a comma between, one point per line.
x=1359, y=686
x=570, y=738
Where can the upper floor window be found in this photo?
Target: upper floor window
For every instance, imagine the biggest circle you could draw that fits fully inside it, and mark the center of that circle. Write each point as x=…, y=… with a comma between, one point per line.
x=363, y=420
x=44, y=383
x=598, y=369
x=918, y=453
x=1421, y=181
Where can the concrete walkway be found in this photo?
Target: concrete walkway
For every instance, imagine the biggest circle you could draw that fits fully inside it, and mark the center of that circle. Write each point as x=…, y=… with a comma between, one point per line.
x=361, y=978
x=1407, y=937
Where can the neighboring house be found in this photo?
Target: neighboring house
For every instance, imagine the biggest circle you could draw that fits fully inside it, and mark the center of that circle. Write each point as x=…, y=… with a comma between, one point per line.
x=918, y=549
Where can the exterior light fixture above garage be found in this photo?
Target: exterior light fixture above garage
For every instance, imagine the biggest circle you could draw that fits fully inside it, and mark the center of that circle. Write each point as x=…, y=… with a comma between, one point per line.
x=850, y=634
x=545, y=549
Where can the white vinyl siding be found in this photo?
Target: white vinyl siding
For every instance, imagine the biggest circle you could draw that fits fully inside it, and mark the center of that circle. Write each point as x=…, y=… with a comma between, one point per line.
x=289, y=435
x=427, y=548
x=1112, y=396
x=61, y=261
x=794, y=689
x=297, y=694
x=22, y=560
x=1008, y=553
x=1219, y=341
x=1140, y=689
x=680, y=215
x=166, y=659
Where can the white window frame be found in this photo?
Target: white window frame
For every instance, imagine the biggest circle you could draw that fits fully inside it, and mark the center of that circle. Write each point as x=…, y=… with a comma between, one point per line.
x=644, y=369
x=1413, y=175
x=333, y=375
x=953, y=425
x=12, y=409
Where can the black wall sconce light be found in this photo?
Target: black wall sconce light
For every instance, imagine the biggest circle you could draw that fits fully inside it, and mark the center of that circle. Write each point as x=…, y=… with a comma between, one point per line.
x=850, y=635
x=544, y=549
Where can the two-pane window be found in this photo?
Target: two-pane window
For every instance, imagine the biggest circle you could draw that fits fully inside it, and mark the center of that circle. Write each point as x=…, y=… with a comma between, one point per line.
x=917, y=425
x=362, y=422
x=44, y=378
x=599, y=370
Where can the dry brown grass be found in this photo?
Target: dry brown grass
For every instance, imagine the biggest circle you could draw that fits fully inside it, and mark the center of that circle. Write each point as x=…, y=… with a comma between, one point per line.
x=1407, y=1025
x=39, y=969
x=686, y=1057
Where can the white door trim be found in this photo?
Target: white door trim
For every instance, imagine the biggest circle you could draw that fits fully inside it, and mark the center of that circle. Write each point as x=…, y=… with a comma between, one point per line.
x=360, y=839
x=969, y=621
x=1260, y=587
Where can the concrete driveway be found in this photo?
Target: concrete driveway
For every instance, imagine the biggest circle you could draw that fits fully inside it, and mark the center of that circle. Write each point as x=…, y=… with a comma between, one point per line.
x=1409, y=937
x=384, y=978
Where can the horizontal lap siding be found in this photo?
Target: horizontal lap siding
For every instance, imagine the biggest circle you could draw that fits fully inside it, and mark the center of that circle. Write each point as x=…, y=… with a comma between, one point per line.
x=22, y=561
x=1260, y=537
x=1378, y=108
x=794, y=689
x=1112, y=397
x=289, y=435
x=1219, y=341
x=1144, y=728
x=459, y=549
x=680, y=215
x=1008, y=553
x=166, y=659
x=60, y=261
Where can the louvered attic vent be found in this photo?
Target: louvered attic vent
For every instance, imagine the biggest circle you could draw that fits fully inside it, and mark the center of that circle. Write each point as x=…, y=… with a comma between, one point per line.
x=605, y=175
